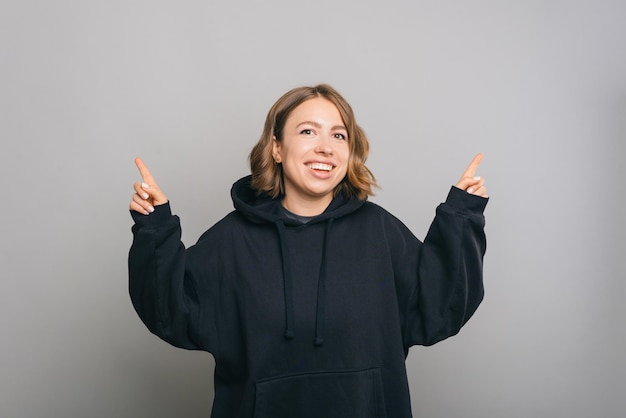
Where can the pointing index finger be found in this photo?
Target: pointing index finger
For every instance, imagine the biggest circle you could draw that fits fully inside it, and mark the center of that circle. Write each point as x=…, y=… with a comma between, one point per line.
x=143, y=170
x=470, y=171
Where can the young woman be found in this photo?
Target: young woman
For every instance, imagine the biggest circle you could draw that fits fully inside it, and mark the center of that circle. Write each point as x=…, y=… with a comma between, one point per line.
x=307, y=294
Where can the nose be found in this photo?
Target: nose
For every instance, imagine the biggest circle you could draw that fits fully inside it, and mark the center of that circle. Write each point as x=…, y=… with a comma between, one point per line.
x=324, y=145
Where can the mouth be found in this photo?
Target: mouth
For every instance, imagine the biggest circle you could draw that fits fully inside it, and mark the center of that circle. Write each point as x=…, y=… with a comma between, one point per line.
x=320, y=167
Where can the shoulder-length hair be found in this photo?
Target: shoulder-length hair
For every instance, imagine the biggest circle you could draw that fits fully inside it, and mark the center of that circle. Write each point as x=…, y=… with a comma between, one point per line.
x=267, y=177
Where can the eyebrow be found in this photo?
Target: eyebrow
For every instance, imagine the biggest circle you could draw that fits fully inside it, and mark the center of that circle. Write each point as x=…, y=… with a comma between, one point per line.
x=319, y=125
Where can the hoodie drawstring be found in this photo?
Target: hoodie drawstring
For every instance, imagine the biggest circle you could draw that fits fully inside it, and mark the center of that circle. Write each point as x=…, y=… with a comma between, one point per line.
x=289, y=334
x=320, y=319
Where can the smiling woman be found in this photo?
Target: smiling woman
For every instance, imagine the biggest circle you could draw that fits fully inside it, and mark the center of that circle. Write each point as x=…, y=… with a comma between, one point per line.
x=308, y=295
x=314, y=153
x=268, y=177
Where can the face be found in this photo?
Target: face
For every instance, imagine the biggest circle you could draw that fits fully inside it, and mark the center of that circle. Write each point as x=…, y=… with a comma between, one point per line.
x=314, y=154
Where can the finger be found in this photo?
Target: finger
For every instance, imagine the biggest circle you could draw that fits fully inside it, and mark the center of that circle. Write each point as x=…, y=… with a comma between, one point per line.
x=146, y=204
x=136, y=207
x=146, y=191
x=470, y=171
x=140, y=190
x=145, y=173
x=479, y=181
x=148, y=185
x=479, y=191
x=466, y=182
x=141, y=205
x=151, y=193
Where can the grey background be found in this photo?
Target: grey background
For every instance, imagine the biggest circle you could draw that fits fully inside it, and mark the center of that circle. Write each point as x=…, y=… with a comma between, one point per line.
x=538, y=86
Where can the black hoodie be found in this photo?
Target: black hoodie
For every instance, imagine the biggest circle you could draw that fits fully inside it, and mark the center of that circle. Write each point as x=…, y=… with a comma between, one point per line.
x=309, y=319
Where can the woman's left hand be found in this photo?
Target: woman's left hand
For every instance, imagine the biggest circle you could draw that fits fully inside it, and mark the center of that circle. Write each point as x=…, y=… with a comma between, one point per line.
x=470, y=182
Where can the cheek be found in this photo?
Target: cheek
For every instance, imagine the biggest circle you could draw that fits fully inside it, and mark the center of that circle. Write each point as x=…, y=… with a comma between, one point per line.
x=345, y=163
x=296, y=149
x=345, y=154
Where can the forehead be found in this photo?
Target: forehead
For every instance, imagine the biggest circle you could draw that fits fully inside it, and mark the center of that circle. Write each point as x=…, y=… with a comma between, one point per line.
x=317, y=109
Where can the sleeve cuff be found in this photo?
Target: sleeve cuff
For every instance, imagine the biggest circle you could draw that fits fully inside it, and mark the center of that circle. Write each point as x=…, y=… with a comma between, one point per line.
x=161, y=214
x=461, y=200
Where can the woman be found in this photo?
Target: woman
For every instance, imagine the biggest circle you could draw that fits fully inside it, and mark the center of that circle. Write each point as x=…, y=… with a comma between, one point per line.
x=308, y=295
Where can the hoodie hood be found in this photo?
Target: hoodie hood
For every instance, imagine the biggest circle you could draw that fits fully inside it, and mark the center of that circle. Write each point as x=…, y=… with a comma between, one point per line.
x=263, y=209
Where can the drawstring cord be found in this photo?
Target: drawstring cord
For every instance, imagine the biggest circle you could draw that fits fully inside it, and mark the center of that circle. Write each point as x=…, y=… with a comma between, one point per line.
x=289, y=334
x=320, y=319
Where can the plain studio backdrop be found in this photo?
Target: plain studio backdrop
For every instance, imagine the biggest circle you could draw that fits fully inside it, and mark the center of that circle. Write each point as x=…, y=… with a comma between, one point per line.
x=538, y=86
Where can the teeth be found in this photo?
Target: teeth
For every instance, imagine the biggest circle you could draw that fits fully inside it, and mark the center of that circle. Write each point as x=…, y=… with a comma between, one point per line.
x=320, y=166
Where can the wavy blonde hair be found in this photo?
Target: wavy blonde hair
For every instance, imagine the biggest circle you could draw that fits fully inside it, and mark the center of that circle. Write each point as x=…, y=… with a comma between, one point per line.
x=267, y=177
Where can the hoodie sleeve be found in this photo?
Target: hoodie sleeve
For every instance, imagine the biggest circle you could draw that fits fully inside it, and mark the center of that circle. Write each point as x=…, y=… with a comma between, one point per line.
x=449, y=286
x=162, y=288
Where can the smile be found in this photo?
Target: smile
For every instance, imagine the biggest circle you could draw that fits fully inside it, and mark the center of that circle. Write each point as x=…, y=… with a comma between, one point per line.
x=320, y=166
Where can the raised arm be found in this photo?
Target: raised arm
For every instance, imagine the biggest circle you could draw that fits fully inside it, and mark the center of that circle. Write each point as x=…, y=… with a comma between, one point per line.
x=162, y=290
x=450, y=264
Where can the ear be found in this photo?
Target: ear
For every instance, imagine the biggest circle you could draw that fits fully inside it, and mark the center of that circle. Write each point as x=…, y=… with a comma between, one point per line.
x=276, y=151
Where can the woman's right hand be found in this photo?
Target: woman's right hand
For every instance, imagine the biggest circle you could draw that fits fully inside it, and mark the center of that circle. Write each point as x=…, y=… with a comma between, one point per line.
x=471, y=183
x=147, y=193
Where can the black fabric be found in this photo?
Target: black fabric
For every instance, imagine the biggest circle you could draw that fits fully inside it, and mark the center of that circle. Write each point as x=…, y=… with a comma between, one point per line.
x=315, y=319
x=322, y=395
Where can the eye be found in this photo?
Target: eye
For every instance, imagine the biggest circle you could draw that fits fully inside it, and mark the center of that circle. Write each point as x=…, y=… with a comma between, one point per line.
x=340, y=136
x=306, y=132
